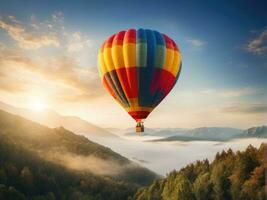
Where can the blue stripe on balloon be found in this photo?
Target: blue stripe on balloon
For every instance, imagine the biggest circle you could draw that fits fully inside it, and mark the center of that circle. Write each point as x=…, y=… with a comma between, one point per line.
x=151, y=48
x=159, y=38
x=141, y=36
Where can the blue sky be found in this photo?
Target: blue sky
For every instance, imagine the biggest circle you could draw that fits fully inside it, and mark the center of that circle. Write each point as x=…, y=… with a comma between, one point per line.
x=223, y=44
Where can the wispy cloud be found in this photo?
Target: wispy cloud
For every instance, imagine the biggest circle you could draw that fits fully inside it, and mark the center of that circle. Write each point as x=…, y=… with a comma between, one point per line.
x=231, y=93
x=66, y=75
x=238, y=92
x=78, y=42
x=258, y=45
x=246, y=108
x=86, y=163
x=58, y=16
x=25, y=37
x=195, y=42
x=71, y=80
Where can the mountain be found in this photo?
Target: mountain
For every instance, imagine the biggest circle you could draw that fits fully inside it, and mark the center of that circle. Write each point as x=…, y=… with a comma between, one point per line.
x=72, y=151
x=210, y=133
x=216, y=134
x=52, y=119
x=239, y=175
x=260, y=132
x=26, y=175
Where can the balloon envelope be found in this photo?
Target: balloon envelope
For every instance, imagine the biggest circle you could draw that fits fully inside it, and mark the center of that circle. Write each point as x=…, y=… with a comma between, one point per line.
x=139, y=68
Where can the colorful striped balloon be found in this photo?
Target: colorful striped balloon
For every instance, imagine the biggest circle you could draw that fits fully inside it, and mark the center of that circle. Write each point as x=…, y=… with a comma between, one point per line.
x=139, y=68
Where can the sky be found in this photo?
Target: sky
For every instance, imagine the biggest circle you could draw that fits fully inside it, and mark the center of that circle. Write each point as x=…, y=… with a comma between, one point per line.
x=48, y=59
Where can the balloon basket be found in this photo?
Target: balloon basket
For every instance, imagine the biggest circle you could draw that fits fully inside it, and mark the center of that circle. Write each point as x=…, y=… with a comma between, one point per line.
x=139, y=127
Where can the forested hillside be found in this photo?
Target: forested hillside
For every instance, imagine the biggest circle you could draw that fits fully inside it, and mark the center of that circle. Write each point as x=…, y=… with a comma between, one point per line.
x=37, y=162
x=23, y=175
x=237, y=176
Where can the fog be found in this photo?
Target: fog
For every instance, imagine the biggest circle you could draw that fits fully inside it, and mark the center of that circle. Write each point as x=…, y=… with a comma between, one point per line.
x=90, y=163
x=163, y=157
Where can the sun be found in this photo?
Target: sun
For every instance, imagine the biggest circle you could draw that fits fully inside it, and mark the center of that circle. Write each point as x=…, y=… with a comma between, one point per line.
x=37, y=105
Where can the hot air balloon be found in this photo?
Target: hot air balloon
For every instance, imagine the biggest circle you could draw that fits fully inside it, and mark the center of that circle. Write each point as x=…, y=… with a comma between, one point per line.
x=139, y=68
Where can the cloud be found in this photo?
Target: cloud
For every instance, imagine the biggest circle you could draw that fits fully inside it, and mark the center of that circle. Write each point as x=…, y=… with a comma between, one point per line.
x=90, y=163
x=238, y=92
x=25, y=37
x=246, y=108
x=14, y=86
x=77, y=43
x=71, y=81
x=258, y=45
x=195, y=42
x=61, y=76
x=231, y=93
x=58, y=16
x=66, y=70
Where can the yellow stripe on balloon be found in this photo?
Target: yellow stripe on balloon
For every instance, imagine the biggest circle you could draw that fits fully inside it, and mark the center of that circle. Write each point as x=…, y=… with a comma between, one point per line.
x=168, y=59
x=108, y=59
x=117, y=56
x=176, y=63
x=129, y=53
x=102, y=66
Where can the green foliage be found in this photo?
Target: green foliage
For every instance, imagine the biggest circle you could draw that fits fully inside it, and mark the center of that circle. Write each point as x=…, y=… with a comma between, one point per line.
x=202, y=187
x=26, y=173
x=179, y=188
x=230, y=176
x=28, y=176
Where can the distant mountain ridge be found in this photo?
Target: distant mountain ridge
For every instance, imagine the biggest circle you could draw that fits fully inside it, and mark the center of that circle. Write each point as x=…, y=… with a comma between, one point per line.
x=216, y=134
x=201, y=132
x=260, y=131
x=52, y=119
x=159, y=132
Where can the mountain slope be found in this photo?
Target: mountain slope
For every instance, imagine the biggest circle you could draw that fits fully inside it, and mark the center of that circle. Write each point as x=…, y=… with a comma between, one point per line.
x=52, y=119
x=25, y=175
x=71, y=151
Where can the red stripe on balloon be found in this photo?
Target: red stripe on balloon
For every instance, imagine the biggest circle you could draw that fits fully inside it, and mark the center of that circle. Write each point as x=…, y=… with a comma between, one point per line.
x=132, y=80
x=130, y=36
x=108, y=43
x=138, y=115
x=175, y=46
x=162, y=82
x=122, y=75
x=118, y=39
x=166, y=81
x=168, y=41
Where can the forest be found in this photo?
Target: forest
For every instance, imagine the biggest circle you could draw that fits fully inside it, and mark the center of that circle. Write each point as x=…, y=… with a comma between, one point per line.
x=231, y=176
x=26, y=172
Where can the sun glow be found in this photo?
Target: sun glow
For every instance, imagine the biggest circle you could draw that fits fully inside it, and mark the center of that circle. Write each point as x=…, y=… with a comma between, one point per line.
x=37, y=105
